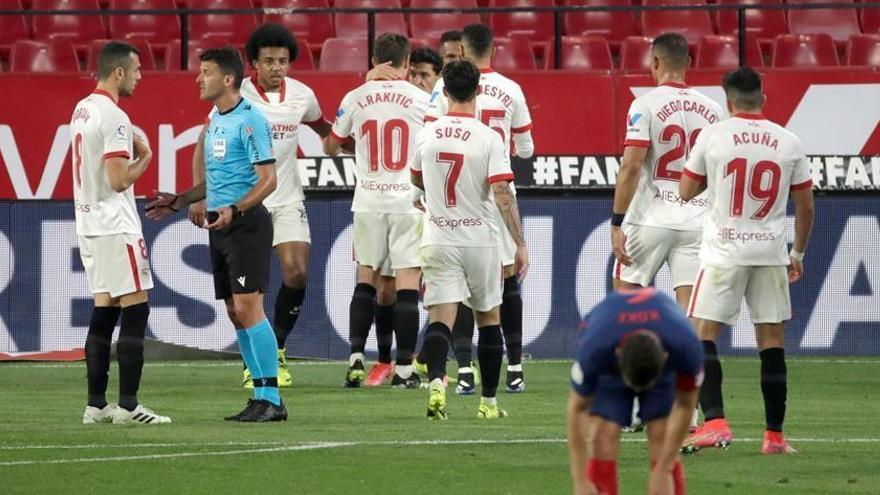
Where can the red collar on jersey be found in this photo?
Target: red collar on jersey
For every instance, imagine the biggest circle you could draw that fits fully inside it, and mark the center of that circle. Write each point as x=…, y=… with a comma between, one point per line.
x=487, y=70
x=750, y=116
x=674, y=84
x=262, y=93
x=105, y=93
x=386, y=79
x=460, y=114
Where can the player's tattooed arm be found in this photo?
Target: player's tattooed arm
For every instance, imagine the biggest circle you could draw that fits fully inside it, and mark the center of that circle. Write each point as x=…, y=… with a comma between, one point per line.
x=506, y=202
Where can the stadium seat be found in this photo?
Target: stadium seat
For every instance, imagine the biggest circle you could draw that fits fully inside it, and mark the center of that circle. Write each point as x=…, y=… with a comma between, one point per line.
x=434, y=25
x=804, y=50
x=863, y=49
x=195, y=47
x=145, y=53
x=344, y=54
x=765, y=25
x=635, y=53
x=537, y=25
x=580, y=53
x=233, y=28
x=156, y=28
x=693, y=24
x=78, y=29
x=305, y=60
x=870, y=21
x=840, y=24
x=43, y=56
x=513, y=53
x=722, y=52
x=314, y=28
x=355, y=25
x=614, y=26
x=12, y=29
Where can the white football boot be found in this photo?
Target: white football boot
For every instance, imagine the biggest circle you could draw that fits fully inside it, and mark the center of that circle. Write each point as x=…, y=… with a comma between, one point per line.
x=95, y=415
x=140, y=415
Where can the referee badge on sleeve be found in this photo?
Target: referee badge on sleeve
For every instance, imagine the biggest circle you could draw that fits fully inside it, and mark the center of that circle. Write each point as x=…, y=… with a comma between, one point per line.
x=219, y=149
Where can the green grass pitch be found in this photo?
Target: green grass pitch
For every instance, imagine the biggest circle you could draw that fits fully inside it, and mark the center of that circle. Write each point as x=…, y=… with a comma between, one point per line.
x=378, y=441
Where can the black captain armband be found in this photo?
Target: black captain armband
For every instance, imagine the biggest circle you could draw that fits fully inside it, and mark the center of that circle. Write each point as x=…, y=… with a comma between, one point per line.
x=617, y=219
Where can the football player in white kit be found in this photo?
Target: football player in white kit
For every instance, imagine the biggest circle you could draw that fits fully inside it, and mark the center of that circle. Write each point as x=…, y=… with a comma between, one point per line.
x=287, y=104
x=461, y=171
x=662, y=125
x=501, y=105
x=749, y=165
x=107, y=160
x=384, y=116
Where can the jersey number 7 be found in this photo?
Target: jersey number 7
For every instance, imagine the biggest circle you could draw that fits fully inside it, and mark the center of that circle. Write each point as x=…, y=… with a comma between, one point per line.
x=455, y=162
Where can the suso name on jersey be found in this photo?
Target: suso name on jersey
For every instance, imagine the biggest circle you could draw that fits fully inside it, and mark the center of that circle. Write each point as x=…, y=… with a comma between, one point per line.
x=452, y=133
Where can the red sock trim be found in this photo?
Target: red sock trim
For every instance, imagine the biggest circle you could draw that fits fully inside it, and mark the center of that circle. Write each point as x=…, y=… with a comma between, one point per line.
x=603, y=474
x=678, y=478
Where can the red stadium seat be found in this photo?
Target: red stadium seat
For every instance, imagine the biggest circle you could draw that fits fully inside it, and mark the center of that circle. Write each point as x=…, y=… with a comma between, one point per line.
x=156, y=28
x=722, y=52
x=840, y=24
x=580, y=53
x=804, y=50
x=314, y=28
x=344, y=54
x=434, y=25
x=863, y=49
x=12, y=29
x=355, y=25
x=635, y=53
x=614, y=26
x=145, y=54
x=536, y=25
x=305, y=60
x=514, y=53
x=693, y=24
x=43, y=56
x=79, y=29
x=195, y=48
x=870, y=21
x=763, y=24
x=233, y=28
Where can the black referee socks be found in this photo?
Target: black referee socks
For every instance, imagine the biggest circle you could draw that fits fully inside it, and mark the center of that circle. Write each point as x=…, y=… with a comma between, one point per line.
x=287, y=307
x=360, y=316
x=406, y=325
x=463, y=336
x=490, y=352
x=435, y=348
x=774, y=387
x=511, y=320
x=385, y=331
x=98, y=353
x=130, y=352
x=711, y=400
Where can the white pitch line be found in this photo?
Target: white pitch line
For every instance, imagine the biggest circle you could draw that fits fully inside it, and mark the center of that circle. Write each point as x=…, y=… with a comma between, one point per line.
x=333, y=445
x=134, y=445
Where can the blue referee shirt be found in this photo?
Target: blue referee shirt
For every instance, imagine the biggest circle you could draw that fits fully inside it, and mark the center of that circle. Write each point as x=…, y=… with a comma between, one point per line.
x=625, y=312
x=236, y=140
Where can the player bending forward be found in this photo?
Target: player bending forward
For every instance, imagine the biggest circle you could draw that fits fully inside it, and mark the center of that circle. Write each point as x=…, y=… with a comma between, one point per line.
x=637, y=343
x=107, y=160
x=748, y=164
x=461, y=166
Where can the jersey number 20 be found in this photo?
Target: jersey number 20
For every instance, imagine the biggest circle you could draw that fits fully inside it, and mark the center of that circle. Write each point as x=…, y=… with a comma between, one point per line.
x=681, y=150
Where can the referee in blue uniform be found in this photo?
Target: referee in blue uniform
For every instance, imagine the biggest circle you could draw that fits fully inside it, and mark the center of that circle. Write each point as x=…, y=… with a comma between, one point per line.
x=240, y=172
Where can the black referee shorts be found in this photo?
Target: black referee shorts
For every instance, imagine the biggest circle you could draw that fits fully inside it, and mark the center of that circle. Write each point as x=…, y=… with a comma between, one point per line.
x=241, y=254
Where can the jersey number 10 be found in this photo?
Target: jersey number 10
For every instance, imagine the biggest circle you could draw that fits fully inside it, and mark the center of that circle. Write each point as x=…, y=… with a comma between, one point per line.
x=394, y=132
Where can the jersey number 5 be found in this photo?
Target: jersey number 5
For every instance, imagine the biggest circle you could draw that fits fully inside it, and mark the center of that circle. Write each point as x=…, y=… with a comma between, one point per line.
x=759, y=189
x=455, y=162
x=681, y=150
x=392, y=130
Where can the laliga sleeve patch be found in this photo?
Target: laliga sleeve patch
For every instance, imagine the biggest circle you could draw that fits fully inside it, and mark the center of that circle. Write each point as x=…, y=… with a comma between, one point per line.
x=577, y=374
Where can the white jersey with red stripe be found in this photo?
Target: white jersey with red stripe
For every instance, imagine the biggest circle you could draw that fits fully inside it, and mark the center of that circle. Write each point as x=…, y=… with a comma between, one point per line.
x=750, y=164
x=100, y=130
x=501, y=105
x=384, y=117
x=293, y=105
x=667, y=121
x=459, y=158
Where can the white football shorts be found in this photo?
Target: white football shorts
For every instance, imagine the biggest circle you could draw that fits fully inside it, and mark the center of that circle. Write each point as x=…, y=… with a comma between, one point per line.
x=117, y=263
x=719, y=291
x=650, y=247
x=290, y=224
x=381, y=236
x=462, y=274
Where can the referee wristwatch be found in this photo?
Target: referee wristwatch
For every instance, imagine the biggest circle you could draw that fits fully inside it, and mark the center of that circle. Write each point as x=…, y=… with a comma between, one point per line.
x=236, y=212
